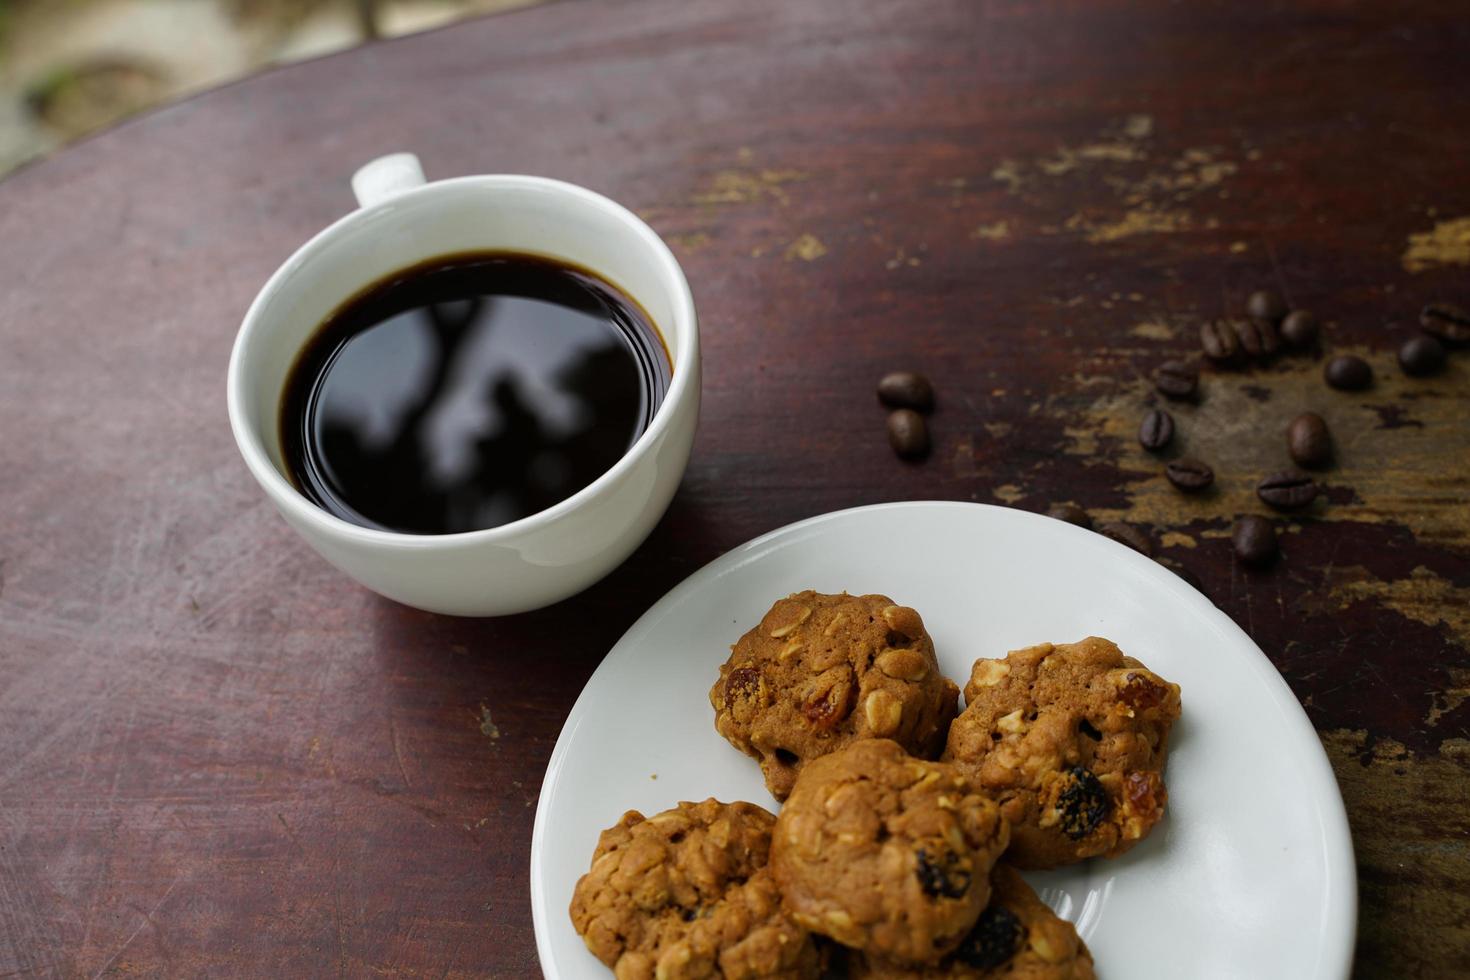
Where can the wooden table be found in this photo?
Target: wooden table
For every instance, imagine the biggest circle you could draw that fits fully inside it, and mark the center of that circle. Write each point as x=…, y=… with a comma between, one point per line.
x=221, y=757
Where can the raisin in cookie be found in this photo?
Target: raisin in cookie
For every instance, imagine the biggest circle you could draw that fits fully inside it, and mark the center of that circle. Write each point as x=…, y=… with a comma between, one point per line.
x=1016, y=938
x=886, y=853
x=822, y=670
x=687, y=894
x=1070, y=740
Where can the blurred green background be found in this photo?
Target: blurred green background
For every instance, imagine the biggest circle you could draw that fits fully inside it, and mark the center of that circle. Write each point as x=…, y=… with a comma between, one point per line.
x=68, y=67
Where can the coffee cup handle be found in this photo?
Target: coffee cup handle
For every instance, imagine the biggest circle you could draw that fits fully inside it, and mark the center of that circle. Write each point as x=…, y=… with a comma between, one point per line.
x=386, y=177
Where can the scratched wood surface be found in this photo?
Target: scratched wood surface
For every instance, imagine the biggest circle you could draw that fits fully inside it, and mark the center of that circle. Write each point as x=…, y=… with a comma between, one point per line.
x=220, y=757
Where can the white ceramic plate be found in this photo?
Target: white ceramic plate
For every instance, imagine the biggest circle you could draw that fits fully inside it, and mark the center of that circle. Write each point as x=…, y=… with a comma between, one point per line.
x=1251, y=873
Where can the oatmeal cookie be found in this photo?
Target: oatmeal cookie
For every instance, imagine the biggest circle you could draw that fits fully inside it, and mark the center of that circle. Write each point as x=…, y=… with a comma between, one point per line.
x=1070, y=740
x=686, y=894
x=823, y=670
x=1016, y=938
x=886, y=853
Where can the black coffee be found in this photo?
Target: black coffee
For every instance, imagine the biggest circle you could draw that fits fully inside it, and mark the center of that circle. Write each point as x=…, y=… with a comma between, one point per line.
x=469, y=391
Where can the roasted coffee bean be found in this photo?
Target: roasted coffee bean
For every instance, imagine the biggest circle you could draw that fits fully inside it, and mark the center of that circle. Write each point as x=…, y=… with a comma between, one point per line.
x=1421, y=355
x=1129, y=535
x=1254, y=540
x=1348, y=372
x=1176, y=379
x=1287, y=490
x=1083, y=803
x=906, y=389
x=994, y=940
x=1217, y=339
x=1448, y=322
x=1258, y=338
x=942, y=874
x=1070, y=513
x=1266, y=304
x=1189, y=474
x=1308, y=440
x=1156, y=429
x=908, y=434
x=1299, y=329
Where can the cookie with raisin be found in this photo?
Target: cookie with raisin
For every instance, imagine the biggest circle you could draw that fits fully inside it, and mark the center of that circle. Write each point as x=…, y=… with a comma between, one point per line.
x=1070, y=740
x=1016, y=938
x=687, y=894
x=821, y=671
x=886, y=853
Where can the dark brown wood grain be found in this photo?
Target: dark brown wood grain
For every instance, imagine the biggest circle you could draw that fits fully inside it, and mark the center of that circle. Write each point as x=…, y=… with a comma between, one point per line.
x=220, y=757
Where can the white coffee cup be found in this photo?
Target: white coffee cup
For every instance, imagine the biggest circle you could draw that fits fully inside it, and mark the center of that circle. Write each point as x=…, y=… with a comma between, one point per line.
x=528, y=563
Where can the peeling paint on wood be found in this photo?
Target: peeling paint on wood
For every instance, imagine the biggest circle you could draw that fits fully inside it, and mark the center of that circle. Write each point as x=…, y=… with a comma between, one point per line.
x=1448, y=243
x=219, y=751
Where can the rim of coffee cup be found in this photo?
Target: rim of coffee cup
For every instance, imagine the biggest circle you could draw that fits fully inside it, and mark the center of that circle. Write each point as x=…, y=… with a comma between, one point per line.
x=684, y=329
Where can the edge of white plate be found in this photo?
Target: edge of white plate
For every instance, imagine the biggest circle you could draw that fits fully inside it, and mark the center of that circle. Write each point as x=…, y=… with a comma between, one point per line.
x=1339, y=905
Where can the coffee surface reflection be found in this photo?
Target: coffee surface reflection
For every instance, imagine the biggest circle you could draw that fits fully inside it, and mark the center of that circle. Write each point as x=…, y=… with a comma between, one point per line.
x=468, y=392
